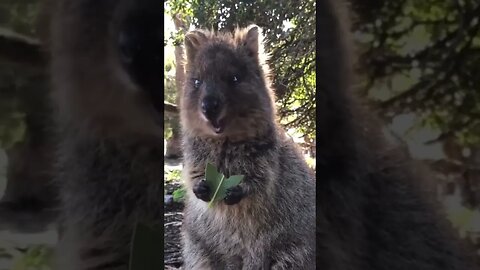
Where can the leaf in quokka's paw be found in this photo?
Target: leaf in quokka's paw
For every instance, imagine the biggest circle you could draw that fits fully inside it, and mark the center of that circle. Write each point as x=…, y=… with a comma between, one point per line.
x=233, y=180
x=218, y=184
x=230, y=182
x=146, y=250
x=212, y=176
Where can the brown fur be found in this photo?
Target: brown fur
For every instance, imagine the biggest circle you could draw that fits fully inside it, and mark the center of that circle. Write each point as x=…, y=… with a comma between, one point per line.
x=244, y=120
x=110, y=139
x=91, y=88
x=374, y=209
x=273, y=224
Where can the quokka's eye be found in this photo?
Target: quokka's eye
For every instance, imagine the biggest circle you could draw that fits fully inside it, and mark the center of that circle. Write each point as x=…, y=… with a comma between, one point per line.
x=196, y=83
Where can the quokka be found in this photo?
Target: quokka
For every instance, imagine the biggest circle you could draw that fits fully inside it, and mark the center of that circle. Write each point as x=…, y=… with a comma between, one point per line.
x=228, y=118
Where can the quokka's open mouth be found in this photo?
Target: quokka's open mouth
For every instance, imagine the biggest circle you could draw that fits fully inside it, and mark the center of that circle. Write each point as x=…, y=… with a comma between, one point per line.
x=218, y=126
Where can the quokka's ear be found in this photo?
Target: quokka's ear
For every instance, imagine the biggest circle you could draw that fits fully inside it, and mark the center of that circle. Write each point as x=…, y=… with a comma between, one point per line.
x=193, y=40
x=253, y=40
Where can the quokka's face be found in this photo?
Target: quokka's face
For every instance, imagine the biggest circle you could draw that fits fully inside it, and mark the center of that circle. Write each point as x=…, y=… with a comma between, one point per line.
x=225, y=91
x=107, y=64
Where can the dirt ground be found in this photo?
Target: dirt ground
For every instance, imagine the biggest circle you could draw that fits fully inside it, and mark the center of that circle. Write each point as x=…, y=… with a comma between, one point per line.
x=172, y=223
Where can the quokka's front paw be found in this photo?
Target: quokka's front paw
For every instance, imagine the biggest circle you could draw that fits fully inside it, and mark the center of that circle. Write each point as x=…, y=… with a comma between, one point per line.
x=234, y=195
x=202, y=191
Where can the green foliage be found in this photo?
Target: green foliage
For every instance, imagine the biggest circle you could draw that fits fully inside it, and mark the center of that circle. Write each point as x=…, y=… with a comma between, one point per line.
x=167, y=131
x=465, y=220
x=169, y=78
x=217, y=182
x=20, y=16
x=170, y=92
x=37, y=258
x=311, y=162
x=289, y=29
x=422, y=57
x=172, y=175
x=179, y=194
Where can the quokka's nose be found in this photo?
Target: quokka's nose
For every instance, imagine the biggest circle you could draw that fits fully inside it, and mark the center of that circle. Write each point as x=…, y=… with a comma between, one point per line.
x=211, y=107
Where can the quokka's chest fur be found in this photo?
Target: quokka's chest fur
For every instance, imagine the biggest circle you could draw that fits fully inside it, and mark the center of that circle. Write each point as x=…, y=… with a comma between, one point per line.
x=257, y=160
x=265, y=217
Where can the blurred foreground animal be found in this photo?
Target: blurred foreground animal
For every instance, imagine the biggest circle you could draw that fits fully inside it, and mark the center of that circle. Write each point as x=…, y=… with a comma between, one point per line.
x=374, y=207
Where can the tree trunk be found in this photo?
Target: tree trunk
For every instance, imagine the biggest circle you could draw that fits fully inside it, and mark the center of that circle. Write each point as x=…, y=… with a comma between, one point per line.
x=174, y=149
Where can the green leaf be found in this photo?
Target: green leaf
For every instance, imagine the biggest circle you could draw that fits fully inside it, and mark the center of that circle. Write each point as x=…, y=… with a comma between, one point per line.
x=179, y=194
x=217, y=181
x=233, y=180
x=212, y=176
x=230, y=182
x=215, y=196
x=147, y=245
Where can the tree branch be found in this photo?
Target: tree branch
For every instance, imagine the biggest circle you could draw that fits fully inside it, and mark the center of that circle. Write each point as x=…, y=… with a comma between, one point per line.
x=170, y=108
x=20, y=49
